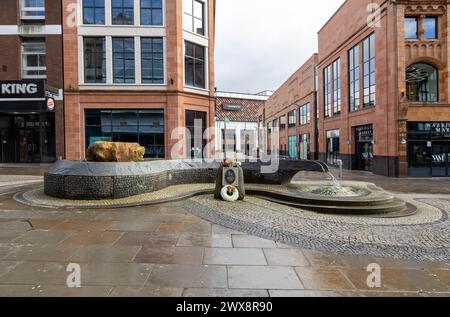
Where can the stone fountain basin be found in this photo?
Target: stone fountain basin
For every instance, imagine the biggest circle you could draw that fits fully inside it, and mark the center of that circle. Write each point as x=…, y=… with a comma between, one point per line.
x=373, y=200
x=81, y=180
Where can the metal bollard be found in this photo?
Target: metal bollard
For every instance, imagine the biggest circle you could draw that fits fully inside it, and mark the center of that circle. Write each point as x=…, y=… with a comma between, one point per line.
x=340, y=165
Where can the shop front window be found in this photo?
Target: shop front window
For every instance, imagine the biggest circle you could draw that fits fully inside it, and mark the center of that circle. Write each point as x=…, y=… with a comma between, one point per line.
x=364, y=147
x=305, y=146
x=293, y=147
x=145, y=127
x=333, y=147
x=429, y=149
x=422, y=83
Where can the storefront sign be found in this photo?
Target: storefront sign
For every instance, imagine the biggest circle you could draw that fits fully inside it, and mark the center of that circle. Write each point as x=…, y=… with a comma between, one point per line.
x=22, y=90
x=232, y=106
x=439, y=158
x=364, y=133
x=440, y=127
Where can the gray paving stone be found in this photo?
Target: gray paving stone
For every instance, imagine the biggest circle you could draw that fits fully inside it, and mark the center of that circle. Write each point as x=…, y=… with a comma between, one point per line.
x=234, y=256
x=183, y=276
x=263, y=277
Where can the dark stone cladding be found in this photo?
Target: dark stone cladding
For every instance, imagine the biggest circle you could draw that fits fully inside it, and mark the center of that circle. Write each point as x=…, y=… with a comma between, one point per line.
x=382, y=165
x=93, y=181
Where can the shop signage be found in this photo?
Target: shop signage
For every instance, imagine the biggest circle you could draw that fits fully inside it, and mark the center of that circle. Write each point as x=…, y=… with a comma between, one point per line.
x=50, y=104
x=232, y=106
x=440, y=127
x=440, y=158
x=364, y=133
x=22, y=90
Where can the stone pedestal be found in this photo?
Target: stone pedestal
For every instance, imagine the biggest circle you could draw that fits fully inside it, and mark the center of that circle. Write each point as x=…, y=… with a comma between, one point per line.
x=219, y=186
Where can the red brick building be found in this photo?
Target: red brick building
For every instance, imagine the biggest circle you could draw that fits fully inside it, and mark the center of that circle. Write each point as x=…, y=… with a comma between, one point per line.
x=383, y=95
x=135, y=71
x=30, y=72
x=291, y=111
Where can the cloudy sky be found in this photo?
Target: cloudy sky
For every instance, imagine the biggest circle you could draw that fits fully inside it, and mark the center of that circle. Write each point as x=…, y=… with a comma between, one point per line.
x=260, y=43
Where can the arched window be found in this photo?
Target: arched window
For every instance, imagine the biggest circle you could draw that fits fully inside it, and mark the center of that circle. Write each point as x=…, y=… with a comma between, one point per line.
x=422, y=83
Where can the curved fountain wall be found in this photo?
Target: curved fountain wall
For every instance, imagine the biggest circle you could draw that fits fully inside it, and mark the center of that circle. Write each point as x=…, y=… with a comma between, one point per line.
x=91, y=181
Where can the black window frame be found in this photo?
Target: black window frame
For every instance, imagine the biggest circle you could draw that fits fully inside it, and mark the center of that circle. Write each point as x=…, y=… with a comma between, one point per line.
x=369, y=91
x=292, y=118
x=124, y=59
x=156, y=56
x=94, y=8
x=282, y=122
x=354, y=79
x=337, y=87
x=195, y=61
x=113, y=135
x=418, y=94
x=327, y=91
x=123, y=9
x=96, y=67
x=151, y=8
x=305, y=114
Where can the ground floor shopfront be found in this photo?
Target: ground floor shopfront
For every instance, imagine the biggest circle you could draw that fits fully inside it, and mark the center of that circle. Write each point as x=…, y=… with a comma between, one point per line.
x=167, y=126
x=27, y=137
x=428, y=149
x=31, y=128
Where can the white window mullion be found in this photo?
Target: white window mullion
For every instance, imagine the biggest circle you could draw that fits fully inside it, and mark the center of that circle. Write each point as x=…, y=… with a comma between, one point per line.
x=137, y=12
x=109, y=60
x=108, y=12
x=137, y=60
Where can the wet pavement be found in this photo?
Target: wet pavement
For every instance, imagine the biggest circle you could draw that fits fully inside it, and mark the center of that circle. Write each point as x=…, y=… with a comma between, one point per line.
x=166, y=251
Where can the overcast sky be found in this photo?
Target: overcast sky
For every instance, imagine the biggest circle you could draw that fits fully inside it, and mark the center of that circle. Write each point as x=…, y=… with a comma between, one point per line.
x=260, y=43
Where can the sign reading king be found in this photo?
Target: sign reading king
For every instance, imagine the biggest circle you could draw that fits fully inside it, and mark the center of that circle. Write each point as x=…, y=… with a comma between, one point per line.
x=22, y=90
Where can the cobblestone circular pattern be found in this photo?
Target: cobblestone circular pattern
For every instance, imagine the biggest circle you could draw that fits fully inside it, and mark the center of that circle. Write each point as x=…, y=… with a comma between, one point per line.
x=424, y=236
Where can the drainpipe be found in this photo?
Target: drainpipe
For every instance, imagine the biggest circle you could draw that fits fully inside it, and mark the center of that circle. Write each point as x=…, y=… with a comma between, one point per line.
x=396, y=100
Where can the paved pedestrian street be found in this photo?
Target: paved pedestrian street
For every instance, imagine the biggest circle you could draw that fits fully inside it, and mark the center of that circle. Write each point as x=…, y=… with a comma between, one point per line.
x=167, y=250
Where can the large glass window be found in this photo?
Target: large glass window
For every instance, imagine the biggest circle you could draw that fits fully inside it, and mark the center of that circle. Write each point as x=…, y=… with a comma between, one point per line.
x=305, y=114
x=94, y=11
x=33, y=59
x=292, y=118
x=354, y=91
x=152, y=60
x=283, y=122
x=369, y=71
x=94, y=60
x=122, y=12
x=327, y=90
x=151, y=12
x=411, y=28
x=337, y=87
x=195, y=65
x=422, y=83
x=430, y=25
x=123, y=60
x=293, y=152
x=305, y=146
x=33, y=9
x=145, y=127
x=194, y=16
x=332, y=147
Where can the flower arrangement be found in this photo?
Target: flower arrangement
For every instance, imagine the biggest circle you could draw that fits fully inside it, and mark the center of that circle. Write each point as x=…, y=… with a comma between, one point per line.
x=231, y=163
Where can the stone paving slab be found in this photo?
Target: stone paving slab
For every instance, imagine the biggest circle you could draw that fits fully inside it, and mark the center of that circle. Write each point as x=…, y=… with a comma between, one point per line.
x=37, y=267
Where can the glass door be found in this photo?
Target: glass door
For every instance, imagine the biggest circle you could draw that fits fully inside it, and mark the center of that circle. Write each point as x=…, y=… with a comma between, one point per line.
x=440, y=159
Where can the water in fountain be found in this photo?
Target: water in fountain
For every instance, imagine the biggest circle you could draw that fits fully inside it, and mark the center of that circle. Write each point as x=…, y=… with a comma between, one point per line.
x=336, y=189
